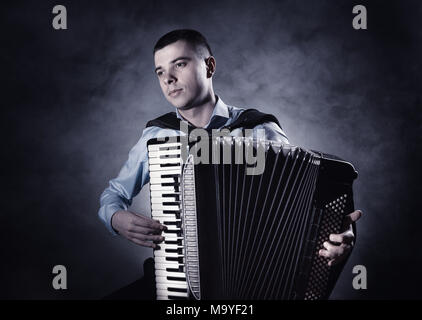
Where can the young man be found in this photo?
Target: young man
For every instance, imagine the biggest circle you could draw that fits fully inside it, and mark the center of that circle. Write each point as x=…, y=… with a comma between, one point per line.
x=184, y=65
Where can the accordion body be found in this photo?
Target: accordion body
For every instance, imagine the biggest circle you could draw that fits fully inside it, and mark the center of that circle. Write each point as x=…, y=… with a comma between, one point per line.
x=233, y=234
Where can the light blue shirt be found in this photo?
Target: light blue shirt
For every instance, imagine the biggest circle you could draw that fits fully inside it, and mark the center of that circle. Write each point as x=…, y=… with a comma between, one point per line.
x=135, y=173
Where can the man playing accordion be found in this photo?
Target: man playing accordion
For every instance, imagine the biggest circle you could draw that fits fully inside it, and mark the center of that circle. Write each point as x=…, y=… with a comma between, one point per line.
x=185, y=66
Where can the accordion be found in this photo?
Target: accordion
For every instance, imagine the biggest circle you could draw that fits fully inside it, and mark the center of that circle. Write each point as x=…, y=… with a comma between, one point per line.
x=233, y=234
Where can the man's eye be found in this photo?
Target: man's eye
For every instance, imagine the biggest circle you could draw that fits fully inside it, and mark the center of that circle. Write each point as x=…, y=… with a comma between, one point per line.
x=180, y=64
x=159, y=73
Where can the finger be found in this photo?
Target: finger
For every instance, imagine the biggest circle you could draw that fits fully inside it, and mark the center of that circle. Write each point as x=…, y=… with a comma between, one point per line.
x=352, y=217
x=335, y=261
x=163, y=227
x=333, y=250
x=144, y=243
x=143, y=230
x=324, y=253
x=327, y=254
x=336, y=237
x=339, y=238
x=143, y=221
x=340, y=258
x=144, y=237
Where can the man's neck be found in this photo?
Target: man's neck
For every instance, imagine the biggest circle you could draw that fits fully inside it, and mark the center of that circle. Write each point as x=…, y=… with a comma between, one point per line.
x=200, y=115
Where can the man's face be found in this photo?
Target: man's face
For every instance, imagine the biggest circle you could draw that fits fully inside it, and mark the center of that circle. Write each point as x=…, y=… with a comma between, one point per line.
x=182, y=75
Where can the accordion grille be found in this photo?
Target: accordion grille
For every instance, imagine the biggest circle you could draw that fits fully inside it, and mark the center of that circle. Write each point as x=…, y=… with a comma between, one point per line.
x=262, y=222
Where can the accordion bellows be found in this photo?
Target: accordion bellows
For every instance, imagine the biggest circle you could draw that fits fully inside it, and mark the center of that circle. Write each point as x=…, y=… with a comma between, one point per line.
x=236, y=235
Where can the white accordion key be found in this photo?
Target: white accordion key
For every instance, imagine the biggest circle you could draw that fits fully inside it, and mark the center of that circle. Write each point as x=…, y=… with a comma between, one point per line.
x=172, y=236
x=164, y=146
x=161, y=253
x=164, y=286
x=162, y=180
x=160, y=168
x=167, y=293
x=161, y=153
x=163, y=273
x=153, y=161
x=154, y=187
x=164, y=199
x=169, y=246
x=161, y=259
x=159, y=206
x=167, y=265
x=156, y=174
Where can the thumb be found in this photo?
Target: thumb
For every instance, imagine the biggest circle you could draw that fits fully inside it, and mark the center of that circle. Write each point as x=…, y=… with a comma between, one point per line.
x=352, y=217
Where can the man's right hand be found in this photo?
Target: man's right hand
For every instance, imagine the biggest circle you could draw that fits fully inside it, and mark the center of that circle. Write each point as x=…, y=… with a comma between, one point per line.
x=137, y=228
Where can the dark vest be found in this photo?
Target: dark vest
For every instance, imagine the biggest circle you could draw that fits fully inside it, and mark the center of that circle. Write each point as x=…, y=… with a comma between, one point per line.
x=248, y=119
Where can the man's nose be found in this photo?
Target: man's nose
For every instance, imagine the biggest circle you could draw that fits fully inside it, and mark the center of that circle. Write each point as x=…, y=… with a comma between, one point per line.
x=170, y=79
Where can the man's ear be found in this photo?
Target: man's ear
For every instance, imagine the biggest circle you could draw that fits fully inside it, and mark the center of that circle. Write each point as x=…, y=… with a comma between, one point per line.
x=210, y=63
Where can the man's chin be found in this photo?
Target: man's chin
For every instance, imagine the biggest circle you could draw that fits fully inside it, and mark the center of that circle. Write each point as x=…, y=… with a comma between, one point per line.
x=181, y=105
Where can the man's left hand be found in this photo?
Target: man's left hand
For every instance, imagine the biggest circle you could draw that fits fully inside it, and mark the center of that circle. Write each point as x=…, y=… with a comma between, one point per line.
x=339, y=245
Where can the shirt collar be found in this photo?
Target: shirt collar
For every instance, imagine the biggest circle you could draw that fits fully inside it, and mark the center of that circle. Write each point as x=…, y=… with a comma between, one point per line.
x=219, y=114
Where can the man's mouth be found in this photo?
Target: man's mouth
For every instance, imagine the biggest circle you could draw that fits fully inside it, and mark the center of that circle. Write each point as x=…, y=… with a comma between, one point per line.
x=174, y=92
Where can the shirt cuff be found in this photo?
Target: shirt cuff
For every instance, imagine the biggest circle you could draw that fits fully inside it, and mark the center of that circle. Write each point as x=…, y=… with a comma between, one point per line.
x=106, y=213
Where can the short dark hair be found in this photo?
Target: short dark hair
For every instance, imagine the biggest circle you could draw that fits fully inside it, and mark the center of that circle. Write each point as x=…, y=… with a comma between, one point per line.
x=193, y=37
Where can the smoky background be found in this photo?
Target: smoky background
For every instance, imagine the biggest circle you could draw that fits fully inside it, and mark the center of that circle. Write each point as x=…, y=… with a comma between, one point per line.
x=75, y=101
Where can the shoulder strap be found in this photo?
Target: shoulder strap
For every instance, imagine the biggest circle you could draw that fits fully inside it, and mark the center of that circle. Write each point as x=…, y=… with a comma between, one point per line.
x=166, y=121
x=248, y=119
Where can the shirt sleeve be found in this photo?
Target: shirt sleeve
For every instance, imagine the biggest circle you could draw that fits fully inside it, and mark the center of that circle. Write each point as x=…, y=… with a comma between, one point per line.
x=121, y=190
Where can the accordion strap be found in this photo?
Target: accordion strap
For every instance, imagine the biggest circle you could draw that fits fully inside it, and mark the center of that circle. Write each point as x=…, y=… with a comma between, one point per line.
x=248, y=119
x=166, y=121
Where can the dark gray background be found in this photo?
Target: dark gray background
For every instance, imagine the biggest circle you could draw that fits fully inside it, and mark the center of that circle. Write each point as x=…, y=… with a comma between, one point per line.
x=76, y=101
